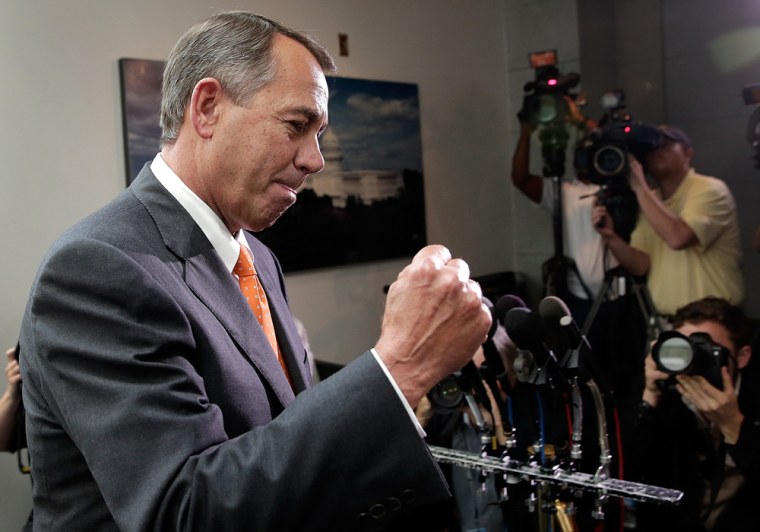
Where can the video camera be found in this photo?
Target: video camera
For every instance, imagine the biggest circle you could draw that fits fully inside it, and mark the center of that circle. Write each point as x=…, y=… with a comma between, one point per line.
x=544, y=105
x=601, y=157
x=697, y=354
x=544, y=102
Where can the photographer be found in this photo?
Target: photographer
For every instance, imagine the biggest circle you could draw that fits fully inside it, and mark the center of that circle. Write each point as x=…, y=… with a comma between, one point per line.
x=616, y=332
x=582, y=244
x=10, y=401
x=687, y=235
x=696, y=437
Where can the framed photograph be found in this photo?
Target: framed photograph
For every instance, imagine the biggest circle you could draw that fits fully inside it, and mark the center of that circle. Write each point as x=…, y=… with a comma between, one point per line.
x=366, y=205
x=140, y=108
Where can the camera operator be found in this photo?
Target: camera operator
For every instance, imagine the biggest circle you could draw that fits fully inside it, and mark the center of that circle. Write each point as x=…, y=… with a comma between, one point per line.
x=582, y=243
x=701, y=437
x=687, y=235
x=616, y=332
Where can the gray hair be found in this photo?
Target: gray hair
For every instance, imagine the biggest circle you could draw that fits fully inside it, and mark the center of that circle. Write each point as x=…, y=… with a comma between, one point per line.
x=235, y=49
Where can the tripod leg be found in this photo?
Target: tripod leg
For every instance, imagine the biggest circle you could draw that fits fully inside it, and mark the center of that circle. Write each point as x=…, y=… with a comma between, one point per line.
x=600, y=296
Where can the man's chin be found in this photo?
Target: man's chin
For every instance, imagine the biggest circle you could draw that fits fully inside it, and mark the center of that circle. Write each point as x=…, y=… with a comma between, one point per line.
x=269, y=221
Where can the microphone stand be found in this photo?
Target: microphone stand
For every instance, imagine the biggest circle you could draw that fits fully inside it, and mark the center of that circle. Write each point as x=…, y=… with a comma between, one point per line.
x=572, y=360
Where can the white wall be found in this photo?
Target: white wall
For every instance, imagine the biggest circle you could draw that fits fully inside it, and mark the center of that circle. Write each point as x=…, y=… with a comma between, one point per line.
x=61, y=140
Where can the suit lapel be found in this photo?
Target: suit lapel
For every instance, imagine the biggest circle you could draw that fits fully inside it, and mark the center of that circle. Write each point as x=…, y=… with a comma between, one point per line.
x=207, y=277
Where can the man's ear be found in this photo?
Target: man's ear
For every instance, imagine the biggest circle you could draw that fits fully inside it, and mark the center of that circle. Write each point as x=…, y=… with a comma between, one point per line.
x=204, y=108
x=743, y=356
x=688, y=152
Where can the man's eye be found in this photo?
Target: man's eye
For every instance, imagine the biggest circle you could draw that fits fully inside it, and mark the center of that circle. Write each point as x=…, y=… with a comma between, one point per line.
x=298, y=127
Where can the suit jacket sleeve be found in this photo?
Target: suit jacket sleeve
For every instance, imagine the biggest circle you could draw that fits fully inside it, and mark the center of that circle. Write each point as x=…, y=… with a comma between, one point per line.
x=125, y=433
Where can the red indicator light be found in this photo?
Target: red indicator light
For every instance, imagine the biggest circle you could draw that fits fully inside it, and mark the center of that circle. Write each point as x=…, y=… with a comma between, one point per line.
x=551, y=82
x=627, y=129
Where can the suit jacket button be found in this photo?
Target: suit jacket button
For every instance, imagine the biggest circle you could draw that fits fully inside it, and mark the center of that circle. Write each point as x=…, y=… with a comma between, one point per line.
x=408, y=497
x=378, y=511
x=393, y=504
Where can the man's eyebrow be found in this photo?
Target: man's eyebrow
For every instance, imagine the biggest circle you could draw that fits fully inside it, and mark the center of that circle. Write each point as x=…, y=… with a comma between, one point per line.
x=311, y=114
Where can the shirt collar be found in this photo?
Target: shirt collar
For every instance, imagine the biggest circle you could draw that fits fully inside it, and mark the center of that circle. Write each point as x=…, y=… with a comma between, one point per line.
x=227, y=246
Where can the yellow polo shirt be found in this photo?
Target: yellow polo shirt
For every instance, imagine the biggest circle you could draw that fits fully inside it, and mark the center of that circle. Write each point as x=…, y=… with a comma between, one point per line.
x=709, y=268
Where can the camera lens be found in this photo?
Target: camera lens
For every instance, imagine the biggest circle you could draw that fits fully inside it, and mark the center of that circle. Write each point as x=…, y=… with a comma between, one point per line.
x=609, y=160
x=675, y=354
x=447, y=394
x=547, y=109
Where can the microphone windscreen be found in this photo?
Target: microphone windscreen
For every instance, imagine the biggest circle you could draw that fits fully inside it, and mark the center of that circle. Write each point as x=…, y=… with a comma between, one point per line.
x=524, y=328
x=494, y=324
x=505, y=304
x=552, y=309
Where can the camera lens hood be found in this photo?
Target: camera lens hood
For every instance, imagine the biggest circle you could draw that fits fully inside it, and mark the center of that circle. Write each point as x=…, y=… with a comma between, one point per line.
x=673, y=352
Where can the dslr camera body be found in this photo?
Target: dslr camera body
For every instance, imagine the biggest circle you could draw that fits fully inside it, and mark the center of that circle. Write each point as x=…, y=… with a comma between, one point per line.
x=697, y=354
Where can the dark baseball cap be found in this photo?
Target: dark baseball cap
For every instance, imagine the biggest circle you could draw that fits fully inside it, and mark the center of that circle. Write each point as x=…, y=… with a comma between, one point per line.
x=676, y=134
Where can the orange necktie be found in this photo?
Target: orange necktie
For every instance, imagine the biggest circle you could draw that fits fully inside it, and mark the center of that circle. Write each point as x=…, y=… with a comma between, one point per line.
x=257, y=300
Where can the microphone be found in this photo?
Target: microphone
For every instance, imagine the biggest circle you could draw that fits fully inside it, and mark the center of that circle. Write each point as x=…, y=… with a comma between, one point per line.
x=563, y=334
x=505, y=304
x=527, y=332
x=498, y=312
x=470, y=376
x=494, y=324
x=562, y=331
x=494, y=369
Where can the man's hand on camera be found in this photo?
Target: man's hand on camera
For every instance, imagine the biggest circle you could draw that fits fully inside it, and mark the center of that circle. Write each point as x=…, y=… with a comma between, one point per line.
x=433, y=323
x=720, y=407
x=652, y=376
x=636, y=179
x=575, y=117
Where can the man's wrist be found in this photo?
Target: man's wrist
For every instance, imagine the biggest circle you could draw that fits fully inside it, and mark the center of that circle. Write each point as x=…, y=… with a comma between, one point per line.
x=732, y=429
x=650, y=398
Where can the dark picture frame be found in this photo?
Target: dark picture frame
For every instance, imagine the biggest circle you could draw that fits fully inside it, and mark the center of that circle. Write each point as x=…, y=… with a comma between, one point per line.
x=366, y=205
x=140, y=81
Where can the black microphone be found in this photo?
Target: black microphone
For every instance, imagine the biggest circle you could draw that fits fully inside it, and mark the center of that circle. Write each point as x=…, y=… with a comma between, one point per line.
x=561, y=330
x=563, y=334
x=493, y=369
x=494, y=324
x=527, y=332
x=470, y=372
x=505, y=304
x=498, y=312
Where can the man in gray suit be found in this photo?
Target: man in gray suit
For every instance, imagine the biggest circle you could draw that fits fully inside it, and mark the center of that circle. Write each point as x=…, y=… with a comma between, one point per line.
x=154, y=400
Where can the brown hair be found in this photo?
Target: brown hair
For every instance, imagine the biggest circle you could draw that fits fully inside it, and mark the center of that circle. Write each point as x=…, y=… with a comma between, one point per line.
x=720, y=311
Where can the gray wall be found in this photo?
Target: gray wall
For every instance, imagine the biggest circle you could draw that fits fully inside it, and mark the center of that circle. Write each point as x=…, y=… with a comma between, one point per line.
x=61, y=144
x=679, y=61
